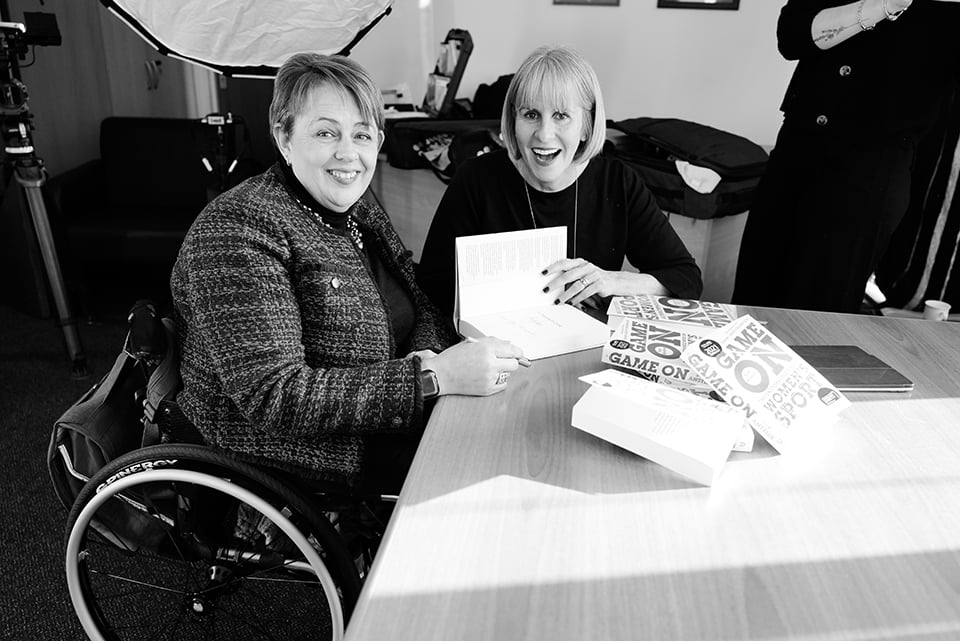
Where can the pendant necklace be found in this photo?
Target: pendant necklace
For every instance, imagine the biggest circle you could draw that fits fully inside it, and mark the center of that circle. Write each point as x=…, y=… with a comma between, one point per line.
x=576, y=197
x=352, y=228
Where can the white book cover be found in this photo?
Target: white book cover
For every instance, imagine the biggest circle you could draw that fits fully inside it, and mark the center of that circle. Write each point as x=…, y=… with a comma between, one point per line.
x=693, y=314
x=750, y=368
x=500, y=293
x=690, y=435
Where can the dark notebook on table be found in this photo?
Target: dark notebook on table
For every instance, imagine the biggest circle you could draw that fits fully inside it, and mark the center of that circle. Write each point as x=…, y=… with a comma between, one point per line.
x=851, y=369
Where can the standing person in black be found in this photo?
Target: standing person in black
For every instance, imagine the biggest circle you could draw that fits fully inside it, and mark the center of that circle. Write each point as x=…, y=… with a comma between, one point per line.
x=553, y=174
x=871, y=77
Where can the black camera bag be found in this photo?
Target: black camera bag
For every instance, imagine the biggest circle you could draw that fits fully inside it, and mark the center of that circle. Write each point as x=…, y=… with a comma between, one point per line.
x=652, y=145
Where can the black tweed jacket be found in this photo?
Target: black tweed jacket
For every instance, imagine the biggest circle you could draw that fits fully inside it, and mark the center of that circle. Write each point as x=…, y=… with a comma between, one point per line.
x=287, y=351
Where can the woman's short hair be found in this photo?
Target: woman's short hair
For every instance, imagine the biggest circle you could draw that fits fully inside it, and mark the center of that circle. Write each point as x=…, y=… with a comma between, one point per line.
x=304, y=72
x=559, y=76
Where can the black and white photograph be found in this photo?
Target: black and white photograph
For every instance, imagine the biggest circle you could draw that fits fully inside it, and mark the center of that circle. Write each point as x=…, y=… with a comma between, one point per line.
x=540, y=320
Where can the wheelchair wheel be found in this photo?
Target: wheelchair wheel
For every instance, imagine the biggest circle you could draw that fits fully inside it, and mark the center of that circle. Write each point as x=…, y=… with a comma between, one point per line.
x=181, y=542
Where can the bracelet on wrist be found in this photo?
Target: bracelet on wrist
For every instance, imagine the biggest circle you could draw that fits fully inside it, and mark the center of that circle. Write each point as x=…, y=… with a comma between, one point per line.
x=864, y=27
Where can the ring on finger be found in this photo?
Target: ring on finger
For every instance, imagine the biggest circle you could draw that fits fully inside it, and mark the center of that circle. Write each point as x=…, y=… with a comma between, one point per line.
x=502, y=378
x=584, y=282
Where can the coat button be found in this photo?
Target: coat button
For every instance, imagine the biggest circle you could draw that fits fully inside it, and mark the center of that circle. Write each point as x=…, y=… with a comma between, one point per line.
x=821, y=120
x=845, y=70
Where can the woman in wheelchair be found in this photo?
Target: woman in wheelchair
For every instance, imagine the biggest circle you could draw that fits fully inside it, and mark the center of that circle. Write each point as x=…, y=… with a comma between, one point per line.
x=305, y=337
x=305, y=345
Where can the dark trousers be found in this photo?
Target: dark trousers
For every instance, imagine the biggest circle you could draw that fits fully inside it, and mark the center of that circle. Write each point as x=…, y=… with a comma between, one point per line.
x=822, y=217
x=387, y=458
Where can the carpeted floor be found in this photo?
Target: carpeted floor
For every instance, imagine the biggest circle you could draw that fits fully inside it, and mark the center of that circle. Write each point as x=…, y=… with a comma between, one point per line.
x=35, y=388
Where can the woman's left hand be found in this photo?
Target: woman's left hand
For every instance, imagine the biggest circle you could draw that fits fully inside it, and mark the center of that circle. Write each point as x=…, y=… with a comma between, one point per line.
x=579, y=281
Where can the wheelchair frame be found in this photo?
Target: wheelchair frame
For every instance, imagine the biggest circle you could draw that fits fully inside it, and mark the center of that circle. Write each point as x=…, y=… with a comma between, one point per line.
x=169, y=492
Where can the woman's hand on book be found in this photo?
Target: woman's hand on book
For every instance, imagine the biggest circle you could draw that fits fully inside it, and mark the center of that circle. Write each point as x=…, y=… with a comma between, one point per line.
x=579, y=281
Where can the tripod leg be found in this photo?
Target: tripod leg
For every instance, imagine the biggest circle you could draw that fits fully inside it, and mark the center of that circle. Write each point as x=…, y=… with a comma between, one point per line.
x=49, y=252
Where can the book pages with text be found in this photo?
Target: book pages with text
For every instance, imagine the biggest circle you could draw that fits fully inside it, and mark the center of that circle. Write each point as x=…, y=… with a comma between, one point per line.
x=500, y=285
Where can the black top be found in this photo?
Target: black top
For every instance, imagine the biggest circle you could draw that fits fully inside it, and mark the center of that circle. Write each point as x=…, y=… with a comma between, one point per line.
x=889, y=80
x=616, y=217
x=396, y=299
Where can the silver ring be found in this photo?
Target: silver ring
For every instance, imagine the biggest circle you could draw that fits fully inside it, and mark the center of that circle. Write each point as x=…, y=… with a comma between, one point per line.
x=502, y=378
x=584, y=282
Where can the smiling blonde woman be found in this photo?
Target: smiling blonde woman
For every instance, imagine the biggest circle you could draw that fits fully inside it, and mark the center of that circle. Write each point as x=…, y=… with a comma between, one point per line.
x=553, y=173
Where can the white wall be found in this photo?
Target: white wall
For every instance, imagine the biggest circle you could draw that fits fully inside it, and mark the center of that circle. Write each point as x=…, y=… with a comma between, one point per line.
x=716, y=67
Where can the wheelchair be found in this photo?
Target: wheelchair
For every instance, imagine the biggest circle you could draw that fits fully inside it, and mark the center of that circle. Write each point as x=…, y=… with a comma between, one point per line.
x=179, y=540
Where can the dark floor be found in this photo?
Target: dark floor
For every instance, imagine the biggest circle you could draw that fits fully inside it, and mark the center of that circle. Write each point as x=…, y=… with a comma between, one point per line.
x=36, y=386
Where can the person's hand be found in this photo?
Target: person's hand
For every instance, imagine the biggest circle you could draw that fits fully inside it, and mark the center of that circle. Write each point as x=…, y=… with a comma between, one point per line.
x=476, y=368
x=578, y=281
x=894, y=6
x=423, y=354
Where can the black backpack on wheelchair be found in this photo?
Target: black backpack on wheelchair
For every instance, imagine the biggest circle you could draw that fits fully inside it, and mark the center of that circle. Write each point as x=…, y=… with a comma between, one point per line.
x=170, y=538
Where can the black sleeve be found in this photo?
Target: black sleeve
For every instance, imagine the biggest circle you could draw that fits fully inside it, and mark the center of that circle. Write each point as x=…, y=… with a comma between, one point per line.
x=653, y=246
x=794, y=28
x=454, y=217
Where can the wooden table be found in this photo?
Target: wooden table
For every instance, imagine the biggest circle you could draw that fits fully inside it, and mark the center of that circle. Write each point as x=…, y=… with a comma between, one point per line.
x=514, y=525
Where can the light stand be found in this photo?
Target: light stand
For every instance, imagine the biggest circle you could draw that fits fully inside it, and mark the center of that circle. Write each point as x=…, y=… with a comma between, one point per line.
x=30, y=173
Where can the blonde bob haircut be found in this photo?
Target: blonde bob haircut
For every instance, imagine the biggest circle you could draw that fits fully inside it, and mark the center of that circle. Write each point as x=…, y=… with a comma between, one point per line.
x=304, y=72
x=562, y=78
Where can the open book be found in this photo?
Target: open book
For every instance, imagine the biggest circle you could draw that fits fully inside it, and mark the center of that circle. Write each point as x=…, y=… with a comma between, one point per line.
x=500, y=293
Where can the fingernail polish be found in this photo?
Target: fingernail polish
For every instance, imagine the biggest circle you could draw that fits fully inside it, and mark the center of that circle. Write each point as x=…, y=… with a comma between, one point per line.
x=556, y=301
x=546, y=289
x=544, y=272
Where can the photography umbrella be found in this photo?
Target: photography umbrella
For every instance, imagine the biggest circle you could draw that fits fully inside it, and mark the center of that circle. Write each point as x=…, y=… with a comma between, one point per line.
x=249, y=38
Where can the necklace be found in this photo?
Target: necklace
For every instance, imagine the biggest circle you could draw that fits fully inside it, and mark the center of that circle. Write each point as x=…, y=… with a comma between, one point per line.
x=576, y=198
x=352, y=228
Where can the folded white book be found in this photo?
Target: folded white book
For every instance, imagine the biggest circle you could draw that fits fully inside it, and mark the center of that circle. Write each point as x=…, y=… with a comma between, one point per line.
x=500, y=284
x=690, y=435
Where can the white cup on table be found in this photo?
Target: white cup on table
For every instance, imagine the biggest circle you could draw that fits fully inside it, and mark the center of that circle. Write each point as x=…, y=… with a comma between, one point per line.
x=935, y=310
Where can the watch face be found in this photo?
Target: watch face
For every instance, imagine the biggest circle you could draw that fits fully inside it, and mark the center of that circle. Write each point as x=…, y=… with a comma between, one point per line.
x=428, y=383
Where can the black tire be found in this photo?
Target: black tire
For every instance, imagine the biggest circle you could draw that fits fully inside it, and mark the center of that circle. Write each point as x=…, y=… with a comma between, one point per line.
x=177, y=541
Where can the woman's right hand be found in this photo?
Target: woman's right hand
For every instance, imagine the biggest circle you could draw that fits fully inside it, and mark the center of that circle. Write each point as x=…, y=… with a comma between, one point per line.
x=893, y=6
x=475, y=368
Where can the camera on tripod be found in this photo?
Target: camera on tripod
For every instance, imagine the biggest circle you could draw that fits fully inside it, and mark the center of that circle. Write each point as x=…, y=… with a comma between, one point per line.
x=37, y=29
x=16, y=38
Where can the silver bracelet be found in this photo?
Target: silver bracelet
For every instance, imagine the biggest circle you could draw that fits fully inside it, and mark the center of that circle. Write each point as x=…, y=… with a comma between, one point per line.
x=864, y=27
x=891, y=16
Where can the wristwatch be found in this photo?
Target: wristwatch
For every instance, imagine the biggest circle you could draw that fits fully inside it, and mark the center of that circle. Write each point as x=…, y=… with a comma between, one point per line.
x=429, y=384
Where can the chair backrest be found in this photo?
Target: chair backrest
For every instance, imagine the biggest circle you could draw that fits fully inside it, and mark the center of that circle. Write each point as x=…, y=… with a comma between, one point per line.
x=156, y=163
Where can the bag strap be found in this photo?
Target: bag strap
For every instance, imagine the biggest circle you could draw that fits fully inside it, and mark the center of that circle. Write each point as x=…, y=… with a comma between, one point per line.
x=163, y=384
